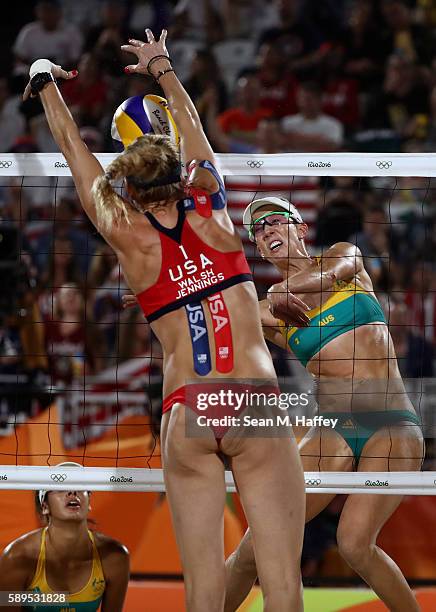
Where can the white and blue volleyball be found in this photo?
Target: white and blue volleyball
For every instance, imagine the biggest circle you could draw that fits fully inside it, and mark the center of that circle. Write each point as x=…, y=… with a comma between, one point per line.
x=141, y=115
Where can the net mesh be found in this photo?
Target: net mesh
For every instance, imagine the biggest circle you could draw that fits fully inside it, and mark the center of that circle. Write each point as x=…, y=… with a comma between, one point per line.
x=81, y=378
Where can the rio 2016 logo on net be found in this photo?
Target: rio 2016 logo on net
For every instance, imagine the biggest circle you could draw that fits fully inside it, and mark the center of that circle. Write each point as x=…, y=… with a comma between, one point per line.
x=376, y=483
x=121, y=479
x=319, y=164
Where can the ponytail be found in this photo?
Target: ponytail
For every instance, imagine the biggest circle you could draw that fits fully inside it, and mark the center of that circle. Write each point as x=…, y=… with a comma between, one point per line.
x=147, y=160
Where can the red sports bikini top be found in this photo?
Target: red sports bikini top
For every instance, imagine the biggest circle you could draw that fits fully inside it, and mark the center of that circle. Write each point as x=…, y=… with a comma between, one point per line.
x=191, y=270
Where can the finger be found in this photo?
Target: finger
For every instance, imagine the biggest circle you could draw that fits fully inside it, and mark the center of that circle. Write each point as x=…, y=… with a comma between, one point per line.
x=163, y=36
x=128, y=297
x=130, y=49
x=135, y=42
x=69, y=75
x=131, y=69
x=298, y=302
x=150, y=36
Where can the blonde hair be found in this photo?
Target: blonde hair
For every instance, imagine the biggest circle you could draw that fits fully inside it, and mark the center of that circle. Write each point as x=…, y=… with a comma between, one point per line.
x=148, y=159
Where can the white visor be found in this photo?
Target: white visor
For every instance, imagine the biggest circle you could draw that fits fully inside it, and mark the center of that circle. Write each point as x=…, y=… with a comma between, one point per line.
x=282, y=203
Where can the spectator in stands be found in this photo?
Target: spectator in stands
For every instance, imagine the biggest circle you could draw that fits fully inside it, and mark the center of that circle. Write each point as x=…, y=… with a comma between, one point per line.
x=92, y=138
x=278, y=85
x=87, y=94
x=241, y=121
x=421, y=314
x=403, y=100
x=156, y=14
x=339, y=217
x=67, y=224
x=48, y=37
x=105, y=39
x=11, y=350
x=361, y=37
x=298, y=40
x=431, y=136
x=267, y=137
x=12, y=124
x=340, y=93
x=379, y=245
x=105, y=282
x=136, y=340
x=247, y=18
x=204, y=74
x=72, y=346
x=413, y=41
x=61, y=268
x=201, y=21
x=310, y=129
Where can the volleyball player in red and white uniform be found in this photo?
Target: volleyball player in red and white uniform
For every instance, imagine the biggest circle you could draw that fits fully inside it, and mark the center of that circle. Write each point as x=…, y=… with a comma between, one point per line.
x=183, y=259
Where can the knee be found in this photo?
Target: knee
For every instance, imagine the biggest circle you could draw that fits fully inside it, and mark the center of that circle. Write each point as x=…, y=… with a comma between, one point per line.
x=355, y=547
x=202, y=594
x=289, y=596
x=242, y=560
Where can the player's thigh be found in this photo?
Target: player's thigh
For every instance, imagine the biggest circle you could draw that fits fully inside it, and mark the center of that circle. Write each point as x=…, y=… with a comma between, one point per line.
x=271, y=485
x=322, y=451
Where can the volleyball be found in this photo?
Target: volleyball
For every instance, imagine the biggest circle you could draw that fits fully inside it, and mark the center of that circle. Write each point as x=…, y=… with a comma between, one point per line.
x=142, y=115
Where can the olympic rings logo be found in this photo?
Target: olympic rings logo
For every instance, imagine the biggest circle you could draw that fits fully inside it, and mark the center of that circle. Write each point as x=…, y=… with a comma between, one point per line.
x=5, y=164
x=58, y=477
x=313, y=483
x=253, y=163
x=383, y=165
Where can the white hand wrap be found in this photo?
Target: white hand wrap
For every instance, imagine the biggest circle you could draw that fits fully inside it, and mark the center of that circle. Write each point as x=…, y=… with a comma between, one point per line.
x=41, y=65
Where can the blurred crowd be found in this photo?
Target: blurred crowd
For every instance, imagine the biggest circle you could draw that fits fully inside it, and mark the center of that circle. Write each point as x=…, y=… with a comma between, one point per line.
x=282, y=76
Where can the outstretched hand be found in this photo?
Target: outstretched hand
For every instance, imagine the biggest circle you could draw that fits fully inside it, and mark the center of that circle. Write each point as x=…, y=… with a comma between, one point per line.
x=58, y=73
x=145, y=52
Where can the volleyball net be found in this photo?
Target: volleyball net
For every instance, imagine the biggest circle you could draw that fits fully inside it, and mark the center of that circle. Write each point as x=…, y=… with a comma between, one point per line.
x=81, y=379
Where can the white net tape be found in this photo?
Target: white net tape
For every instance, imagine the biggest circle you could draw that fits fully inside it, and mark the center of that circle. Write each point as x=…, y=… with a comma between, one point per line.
x=297, y=164
x=152, y=480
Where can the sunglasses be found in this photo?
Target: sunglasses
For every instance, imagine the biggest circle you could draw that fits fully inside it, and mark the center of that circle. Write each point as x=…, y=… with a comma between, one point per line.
x=270, y=218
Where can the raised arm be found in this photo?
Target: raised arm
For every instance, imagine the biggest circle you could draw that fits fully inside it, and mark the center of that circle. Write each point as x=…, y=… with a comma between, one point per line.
x=342, y=261
x=153, y=60
x=83, y=164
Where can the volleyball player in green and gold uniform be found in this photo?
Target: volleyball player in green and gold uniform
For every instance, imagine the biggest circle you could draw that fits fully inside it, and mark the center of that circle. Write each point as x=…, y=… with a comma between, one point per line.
x=65, y=556
x=325, y=311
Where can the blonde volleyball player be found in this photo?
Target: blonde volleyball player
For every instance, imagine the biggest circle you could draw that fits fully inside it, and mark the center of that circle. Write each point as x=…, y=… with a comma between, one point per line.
x=65, y=556
x=183, y=259
x=346, y=345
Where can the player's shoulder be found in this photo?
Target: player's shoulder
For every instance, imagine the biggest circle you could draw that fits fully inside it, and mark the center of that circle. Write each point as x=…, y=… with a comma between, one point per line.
x=203, y=176
x=109, y=547
x=24, y=549
x=114, y=556
x=341, y=248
